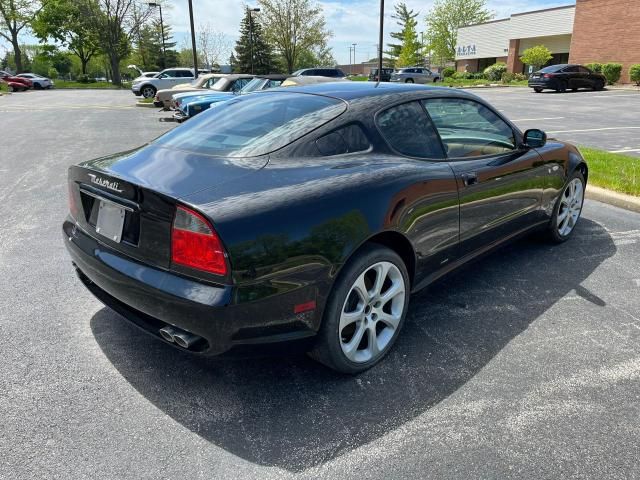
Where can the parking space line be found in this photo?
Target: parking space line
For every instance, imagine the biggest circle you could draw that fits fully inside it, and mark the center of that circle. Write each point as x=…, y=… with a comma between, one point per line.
x=536, y=119
x=594, y=129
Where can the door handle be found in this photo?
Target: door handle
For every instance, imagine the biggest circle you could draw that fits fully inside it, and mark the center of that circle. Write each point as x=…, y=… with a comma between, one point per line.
x=470, y=178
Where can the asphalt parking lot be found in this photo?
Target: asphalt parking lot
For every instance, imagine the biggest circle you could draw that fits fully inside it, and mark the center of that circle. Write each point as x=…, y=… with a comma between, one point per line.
x=608, y=120
x=523, y=365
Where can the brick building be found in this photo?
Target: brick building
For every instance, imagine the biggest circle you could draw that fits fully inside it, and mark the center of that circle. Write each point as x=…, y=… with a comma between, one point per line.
x=589, y=31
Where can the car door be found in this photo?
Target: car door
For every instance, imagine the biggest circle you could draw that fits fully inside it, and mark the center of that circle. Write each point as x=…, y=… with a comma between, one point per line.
x=573, y=77
x=500, y=182
x=588, y=79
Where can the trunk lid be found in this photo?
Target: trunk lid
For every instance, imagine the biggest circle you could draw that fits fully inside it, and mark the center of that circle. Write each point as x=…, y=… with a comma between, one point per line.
x=128, y=200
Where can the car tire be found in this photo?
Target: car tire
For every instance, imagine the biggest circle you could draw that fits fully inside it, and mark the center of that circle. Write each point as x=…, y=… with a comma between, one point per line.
x=599, y=85
x=409, y=80
x=567, y=209
x=436, y=79
x=37, y=86
x=562, y=87
x=353, y=336
x=148, y=91
x=537, y=89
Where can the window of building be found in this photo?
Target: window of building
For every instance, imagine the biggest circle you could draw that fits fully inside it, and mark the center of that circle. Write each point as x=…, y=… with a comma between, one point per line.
x=485, y=62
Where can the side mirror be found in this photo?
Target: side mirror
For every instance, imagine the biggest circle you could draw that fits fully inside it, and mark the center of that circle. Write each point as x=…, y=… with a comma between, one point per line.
x=535, y=138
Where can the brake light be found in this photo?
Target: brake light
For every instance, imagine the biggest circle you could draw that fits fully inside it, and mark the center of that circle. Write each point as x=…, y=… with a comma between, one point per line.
x=548, y=75
x=195, y=244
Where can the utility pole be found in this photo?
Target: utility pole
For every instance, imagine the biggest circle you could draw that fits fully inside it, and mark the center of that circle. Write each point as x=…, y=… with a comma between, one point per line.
x=164, y=51
x=250, y=11
x=354, y=54
x=193, y=41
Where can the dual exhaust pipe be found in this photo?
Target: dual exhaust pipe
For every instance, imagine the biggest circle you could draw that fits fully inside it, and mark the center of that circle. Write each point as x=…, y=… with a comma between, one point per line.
x=179, y=337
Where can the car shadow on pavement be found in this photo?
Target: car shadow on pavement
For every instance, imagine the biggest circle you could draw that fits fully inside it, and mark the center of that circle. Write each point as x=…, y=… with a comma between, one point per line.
x=292, y=413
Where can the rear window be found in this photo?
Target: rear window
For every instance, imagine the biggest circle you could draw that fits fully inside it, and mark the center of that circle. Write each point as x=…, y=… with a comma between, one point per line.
x=254, y=124
x=552, y=68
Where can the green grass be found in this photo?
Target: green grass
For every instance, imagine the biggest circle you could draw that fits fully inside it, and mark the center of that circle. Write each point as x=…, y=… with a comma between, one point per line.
x=359, y=78
x=613, y=171
x=101, y=85
x=145, y=100
x=3, y=87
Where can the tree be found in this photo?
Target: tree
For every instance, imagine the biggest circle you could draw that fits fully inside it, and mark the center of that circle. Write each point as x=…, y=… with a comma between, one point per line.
x=150, y=53
x=252, y=43
x=536, y=56
x=213, y=46
x=15, y=17
x=444, y=20
x=404, y=17
x=411, y=51
x=293, y=26
x=118, y=22
x=69, y=22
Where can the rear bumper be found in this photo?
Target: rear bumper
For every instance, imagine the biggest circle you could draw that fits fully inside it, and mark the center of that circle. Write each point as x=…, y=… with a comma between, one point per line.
x=153, y=298
x=542, y=83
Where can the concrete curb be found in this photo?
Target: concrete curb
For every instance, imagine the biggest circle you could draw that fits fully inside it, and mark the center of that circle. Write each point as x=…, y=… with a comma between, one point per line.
x=147, y=105
x=628, y=202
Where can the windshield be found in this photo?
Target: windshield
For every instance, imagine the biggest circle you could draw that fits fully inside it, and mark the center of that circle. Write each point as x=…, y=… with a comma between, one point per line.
x=253, y=125
x=253, y=85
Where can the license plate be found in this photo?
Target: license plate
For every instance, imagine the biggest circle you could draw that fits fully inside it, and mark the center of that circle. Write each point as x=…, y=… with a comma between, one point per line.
x=110, y=221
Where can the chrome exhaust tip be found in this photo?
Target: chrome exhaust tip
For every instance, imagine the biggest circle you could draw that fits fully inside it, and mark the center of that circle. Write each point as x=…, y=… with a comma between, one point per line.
x=185, y=339
x=168, y=333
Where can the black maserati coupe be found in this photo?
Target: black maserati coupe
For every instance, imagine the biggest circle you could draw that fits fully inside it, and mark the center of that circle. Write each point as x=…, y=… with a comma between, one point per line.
x=307, y=216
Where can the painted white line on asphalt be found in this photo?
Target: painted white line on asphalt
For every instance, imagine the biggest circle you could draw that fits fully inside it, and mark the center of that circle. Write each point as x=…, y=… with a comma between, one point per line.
x=535, y=119
x=625, y=150
x=616, y=95
x=594, y=129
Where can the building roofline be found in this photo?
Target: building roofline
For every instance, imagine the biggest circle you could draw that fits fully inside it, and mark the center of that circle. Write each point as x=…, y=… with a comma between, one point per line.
x=544, y=10
x=520, y=14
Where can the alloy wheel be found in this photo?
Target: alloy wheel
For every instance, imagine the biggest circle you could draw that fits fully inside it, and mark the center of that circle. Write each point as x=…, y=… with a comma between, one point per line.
x=148, y=92
x=570, y=207
x=372, y=312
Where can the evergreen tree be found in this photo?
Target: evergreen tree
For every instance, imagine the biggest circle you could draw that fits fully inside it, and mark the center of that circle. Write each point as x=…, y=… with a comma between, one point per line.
x=410, y=53
x=149, y=47
x=405, y=19
x=252, y=38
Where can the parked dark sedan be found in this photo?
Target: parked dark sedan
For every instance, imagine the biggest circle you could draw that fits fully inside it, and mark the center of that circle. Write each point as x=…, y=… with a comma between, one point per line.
x=309, y=215
x=563, y=77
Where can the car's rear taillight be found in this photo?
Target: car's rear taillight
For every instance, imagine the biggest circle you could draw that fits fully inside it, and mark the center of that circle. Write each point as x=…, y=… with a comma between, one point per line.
x=195, y=244
x=548, y=75
x=73, y=206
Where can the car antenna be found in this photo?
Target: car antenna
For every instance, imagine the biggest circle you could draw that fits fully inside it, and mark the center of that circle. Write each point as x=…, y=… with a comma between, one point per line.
x=380, y=42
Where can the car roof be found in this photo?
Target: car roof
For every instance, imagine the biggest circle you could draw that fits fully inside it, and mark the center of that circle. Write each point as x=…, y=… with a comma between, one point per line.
x=274, y=76
x=347, y=90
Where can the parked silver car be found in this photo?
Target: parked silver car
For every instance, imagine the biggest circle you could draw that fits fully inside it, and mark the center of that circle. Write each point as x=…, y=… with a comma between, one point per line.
x=415, y=75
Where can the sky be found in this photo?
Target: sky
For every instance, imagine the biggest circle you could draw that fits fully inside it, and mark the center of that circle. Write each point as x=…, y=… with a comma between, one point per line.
x=351, y=21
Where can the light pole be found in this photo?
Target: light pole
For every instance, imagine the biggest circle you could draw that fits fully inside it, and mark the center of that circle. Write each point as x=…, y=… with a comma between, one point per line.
x=380, y=41
x=354, y=55
x=164, y=51
x=350, y=64
x=193, y=42
x=250, y=11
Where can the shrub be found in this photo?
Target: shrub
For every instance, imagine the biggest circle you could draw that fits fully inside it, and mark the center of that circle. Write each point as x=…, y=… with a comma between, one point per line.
x=478, y=76
x=536, y=56
x=612, y=71
x=594, y=67
x=508, y=77
x=462, y=76
x=52, y=73
x=448, y=72
x=520, y=77
x=495, y=71
x=634, y=73
x=84, y=78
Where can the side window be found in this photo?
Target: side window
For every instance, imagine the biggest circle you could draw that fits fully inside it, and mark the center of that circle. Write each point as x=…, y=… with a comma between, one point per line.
x=570, y=69
x=186, y=74
x=408, y=130
x=273, y=84
x=347, y=139
x=584, y=70
x=170, y=74
x=238, y=84
x=469, y=129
